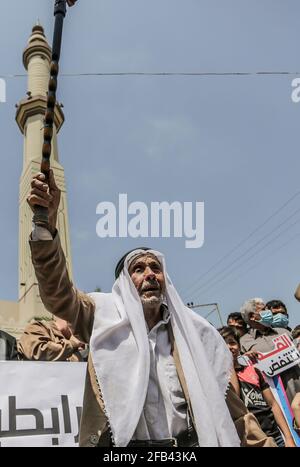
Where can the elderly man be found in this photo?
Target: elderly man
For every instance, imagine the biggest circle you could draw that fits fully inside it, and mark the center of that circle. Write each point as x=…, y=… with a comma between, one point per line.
x=158, y=374
x=260, y=336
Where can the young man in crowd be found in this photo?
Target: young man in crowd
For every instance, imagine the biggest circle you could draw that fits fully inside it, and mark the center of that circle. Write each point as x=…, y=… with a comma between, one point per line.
x=280, y=314
x=236, y=321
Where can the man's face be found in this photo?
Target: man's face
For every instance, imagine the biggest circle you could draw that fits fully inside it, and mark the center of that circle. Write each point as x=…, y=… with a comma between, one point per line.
x=259, y=306
x=147, y=275
x=233, y=346
x=238, y=325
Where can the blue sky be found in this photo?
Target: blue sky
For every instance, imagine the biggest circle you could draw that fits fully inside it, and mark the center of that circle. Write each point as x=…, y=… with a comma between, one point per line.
x=230, y=141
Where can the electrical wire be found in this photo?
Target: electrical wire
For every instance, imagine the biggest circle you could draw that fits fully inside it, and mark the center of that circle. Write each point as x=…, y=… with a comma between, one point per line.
x=262, y=260
x=196, y=282
x=168, y=73
x=248, y=259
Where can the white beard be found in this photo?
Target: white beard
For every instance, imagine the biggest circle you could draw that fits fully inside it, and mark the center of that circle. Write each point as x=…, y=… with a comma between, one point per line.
x=146, y=301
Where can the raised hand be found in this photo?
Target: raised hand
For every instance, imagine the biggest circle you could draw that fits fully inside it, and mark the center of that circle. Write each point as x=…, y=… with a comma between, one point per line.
x=45, y=194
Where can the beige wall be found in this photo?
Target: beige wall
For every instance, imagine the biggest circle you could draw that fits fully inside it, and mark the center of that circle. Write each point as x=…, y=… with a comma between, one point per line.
x=9, y=317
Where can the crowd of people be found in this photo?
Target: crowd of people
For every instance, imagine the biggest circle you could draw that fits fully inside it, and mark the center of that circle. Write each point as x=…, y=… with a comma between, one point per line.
x=158, y=374
x=247, y=332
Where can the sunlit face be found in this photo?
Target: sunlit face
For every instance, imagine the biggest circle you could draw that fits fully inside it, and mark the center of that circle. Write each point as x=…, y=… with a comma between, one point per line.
x=147, y=275
x=233, y=346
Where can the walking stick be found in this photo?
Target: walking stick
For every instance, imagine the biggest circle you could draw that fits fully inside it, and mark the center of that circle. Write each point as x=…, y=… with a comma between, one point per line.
x=60, y=8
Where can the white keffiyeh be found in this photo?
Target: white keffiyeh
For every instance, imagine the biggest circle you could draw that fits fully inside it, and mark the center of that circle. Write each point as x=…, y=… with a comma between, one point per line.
x=120, y=353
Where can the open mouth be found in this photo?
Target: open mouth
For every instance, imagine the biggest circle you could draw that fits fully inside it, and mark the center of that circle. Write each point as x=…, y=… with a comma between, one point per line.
x=150, y=288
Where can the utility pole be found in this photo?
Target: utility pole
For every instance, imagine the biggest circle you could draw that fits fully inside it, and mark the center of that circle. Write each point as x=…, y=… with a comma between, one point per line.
x=216, y=308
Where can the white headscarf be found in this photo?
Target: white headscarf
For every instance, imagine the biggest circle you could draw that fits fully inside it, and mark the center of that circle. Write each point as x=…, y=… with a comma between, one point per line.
x=120, y=353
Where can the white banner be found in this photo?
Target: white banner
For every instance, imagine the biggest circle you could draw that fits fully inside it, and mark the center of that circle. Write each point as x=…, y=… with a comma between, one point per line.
x=40, y=403
x=283, y=356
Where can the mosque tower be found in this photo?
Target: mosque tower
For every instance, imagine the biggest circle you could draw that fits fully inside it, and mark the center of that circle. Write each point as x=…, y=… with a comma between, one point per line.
x=30, y=118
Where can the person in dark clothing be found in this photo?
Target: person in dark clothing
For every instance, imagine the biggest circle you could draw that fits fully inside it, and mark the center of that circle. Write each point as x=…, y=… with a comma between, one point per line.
x=8, y=347
x=257, y=395
x=236, y=321
x=280, y=314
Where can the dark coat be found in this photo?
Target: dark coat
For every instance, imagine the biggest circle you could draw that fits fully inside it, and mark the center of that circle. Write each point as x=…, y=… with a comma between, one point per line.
x=8, y=347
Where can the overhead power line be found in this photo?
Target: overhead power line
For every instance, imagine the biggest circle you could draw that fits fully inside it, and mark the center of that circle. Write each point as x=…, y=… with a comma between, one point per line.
x=196, y=282
x=168, y=73
x=254, y=266
x=247, y=259
x=225, y=269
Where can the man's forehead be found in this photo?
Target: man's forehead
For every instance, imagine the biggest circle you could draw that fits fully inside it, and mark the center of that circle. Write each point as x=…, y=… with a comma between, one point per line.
x=143, y=257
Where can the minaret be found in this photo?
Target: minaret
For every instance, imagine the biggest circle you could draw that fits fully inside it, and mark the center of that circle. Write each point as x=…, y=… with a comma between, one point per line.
x=30, y=118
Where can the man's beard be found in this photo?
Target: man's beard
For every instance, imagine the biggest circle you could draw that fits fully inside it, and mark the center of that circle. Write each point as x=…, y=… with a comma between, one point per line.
x=153, y=300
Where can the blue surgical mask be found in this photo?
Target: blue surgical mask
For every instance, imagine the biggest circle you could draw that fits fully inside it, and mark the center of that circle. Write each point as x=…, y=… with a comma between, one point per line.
x=266, y=318
x=280, y=320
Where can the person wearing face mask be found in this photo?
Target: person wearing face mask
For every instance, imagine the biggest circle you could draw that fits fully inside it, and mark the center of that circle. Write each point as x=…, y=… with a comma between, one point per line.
x=260, y=337
x=280, y=314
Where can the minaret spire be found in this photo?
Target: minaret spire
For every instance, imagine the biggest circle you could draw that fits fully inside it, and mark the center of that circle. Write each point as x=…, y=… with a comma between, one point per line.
x=30, y=118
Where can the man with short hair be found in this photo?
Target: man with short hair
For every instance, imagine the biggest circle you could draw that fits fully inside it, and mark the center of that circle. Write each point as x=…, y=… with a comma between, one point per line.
x=236, y=321
x=280, y=314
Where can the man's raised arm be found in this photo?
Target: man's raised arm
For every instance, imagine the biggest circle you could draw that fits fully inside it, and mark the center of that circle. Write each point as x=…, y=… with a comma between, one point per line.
x=57, y=292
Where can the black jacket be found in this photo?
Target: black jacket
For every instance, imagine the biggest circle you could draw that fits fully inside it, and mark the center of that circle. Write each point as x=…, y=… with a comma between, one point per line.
x=8, y=347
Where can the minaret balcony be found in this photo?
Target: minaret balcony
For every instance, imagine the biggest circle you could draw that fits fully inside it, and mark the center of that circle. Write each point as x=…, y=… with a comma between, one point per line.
x=37, y=105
